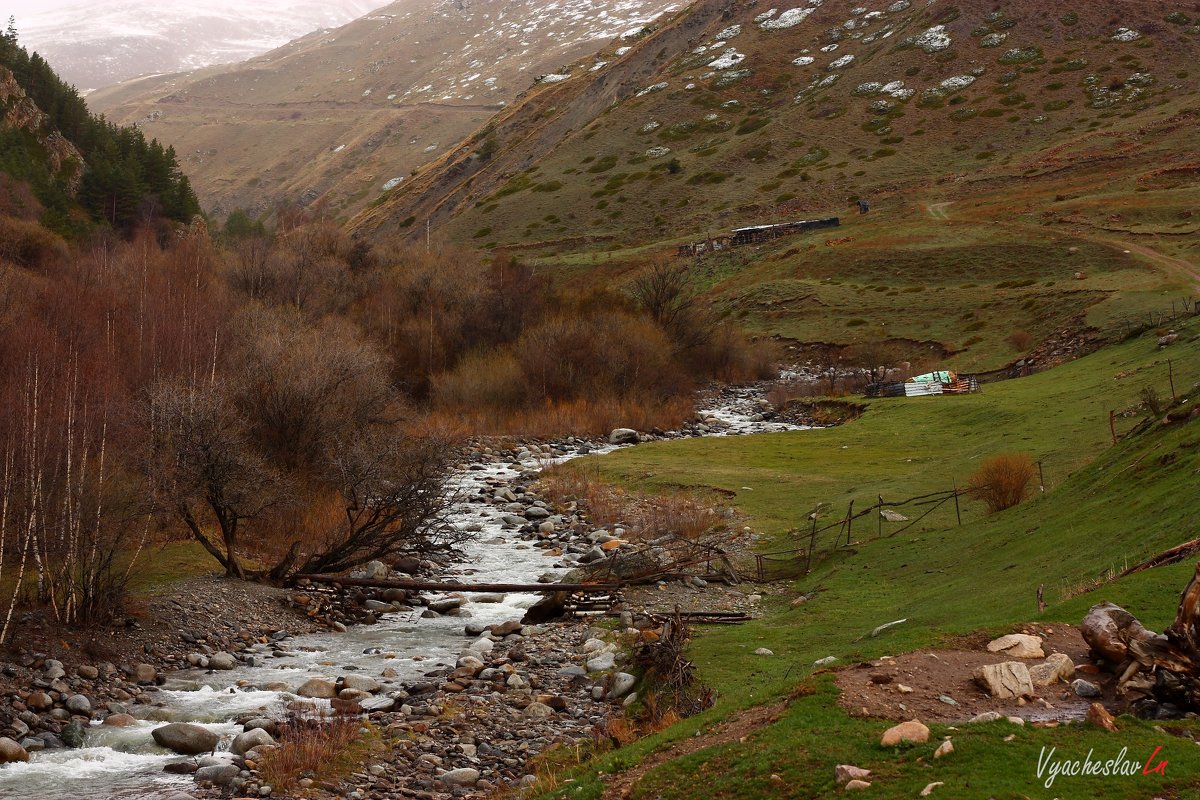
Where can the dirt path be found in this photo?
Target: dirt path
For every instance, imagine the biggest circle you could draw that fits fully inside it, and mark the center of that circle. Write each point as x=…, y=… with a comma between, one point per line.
x=1178, y=266
x=736, y=727
x=1172, y=264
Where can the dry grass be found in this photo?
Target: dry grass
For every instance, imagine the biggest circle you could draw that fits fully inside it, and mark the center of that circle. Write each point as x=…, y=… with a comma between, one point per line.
x=579, y=417
x=682, y=514
x=1003, y=480
x=313, y=746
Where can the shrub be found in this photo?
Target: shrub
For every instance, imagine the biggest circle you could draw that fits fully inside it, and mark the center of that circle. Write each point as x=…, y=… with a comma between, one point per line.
x=1020, y=340
x=1003, y=480
x=1151, y=399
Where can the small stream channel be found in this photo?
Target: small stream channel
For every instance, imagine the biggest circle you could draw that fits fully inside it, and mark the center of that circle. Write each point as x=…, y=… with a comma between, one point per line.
x=126, y=762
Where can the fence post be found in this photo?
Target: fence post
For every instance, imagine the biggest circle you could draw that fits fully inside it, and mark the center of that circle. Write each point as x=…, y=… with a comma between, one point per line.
x=1171, y=378
x=1041, y=478
x=879, y=533
x=957, y=509
x=812, y=543
x=850, y=524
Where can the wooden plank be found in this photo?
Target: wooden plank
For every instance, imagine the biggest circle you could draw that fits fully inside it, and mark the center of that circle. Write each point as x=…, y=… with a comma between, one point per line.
x=444, y=586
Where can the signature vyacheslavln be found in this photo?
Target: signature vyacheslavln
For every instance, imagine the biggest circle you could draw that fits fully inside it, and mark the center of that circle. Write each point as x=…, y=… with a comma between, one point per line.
x=1050, y=768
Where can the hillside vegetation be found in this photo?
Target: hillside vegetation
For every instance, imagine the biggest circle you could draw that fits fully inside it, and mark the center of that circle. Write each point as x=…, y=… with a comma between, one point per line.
x=1106, y=507
x=75, y=161
x=1027, y=170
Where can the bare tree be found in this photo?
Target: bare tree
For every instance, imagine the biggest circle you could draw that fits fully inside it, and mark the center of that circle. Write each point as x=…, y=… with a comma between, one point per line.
x=663, y=292
x=204, y=469
x=394, y=499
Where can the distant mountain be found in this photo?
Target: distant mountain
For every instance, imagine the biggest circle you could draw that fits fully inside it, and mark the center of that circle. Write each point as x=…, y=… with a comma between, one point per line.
x=734, y=114
x=93, y=45
x=344, y=116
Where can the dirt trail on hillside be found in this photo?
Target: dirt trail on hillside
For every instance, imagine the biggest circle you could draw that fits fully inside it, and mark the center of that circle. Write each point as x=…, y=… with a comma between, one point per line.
x=1172, y=264
x=736, y=727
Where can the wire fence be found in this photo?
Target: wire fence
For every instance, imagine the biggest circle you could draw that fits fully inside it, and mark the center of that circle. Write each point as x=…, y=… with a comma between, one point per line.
x=796, y=561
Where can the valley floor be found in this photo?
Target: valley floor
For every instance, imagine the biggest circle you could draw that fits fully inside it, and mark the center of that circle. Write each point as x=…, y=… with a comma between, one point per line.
x=782, y=723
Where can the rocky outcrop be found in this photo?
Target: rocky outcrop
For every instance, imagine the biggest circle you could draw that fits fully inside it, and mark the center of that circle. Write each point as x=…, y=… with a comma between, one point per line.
x=21, y=113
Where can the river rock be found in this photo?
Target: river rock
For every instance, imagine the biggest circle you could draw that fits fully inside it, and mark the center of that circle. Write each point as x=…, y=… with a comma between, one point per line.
x=1017, y=645
x=120, y=721
x=318, y=688
x=217, y=774
x=622, y=683
x=362, y=683
x=375, y=571
x=263, y=723
x=52, y=670
x=247, y=741
x=11, y=752
x=221, y=661
x=623, y=436
x=844, y=773
x=475, y=628
x=1005, y=680
x=78, y=704
x=536, y=710
x=601, y=662
x=185, y=738
x=445, y=604
x=466, y=776
x=506, y=628
x=1058, y=667
x=87, y=672
x=913, y=732
x=33, y=744
x=145, y=674
x=1085, y=688
x=39, y=701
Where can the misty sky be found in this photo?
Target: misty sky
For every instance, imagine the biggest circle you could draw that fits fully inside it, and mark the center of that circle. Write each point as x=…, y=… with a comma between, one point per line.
x=24, y=8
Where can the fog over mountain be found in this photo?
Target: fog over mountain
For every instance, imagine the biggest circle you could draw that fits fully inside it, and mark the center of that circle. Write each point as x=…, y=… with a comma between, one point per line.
x=97, y=44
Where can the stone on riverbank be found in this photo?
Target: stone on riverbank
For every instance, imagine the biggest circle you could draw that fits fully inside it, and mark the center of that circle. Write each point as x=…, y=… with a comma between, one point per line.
x=317, y=688
x=11, y=752
x=185, y=738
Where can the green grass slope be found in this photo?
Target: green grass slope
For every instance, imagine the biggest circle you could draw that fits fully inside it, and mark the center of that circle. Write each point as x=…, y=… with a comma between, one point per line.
x=1106, y=506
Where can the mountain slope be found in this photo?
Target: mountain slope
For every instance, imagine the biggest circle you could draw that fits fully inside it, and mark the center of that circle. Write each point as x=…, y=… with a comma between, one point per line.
x=340, y=114
x=96, y=45
x=733, y=115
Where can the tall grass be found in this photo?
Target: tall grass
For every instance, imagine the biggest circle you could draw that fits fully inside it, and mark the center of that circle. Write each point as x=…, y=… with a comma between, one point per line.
x=312, y=746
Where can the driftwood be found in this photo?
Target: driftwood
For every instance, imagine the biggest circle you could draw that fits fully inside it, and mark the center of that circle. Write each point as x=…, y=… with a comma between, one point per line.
x=1161, y=669
x=1172, y=556
x=443, y=586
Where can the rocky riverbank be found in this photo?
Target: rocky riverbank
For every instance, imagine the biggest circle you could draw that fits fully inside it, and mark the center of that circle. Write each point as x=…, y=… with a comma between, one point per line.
x=477, y=717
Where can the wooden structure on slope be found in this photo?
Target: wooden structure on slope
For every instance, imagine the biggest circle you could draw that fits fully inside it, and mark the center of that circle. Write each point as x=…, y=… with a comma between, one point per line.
x=755, y=234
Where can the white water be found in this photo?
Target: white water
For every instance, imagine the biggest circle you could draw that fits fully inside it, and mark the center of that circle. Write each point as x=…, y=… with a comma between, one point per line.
x=126, y=763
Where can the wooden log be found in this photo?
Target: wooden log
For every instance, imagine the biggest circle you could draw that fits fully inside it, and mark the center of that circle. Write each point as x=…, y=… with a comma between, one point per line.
x=450, y=586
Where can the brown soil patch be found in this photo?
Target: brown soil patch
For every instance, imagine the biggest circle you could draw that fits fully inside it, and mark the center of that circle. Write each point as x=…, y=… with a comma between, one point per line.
x=933, y=674
x=734, y=728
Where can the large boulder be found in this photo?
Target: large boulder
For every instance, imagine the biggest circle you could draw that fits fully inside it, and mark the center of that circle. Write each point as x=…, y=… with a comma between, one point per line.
x=1006, y=680
x=362, y=683
x=217, y=774
x=623, y=436
x=1017, y=645
x=318, y=688
x=247, y=741
x=1058, y=667
x=221, y=661
x=11, y=752
x=185, y=738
